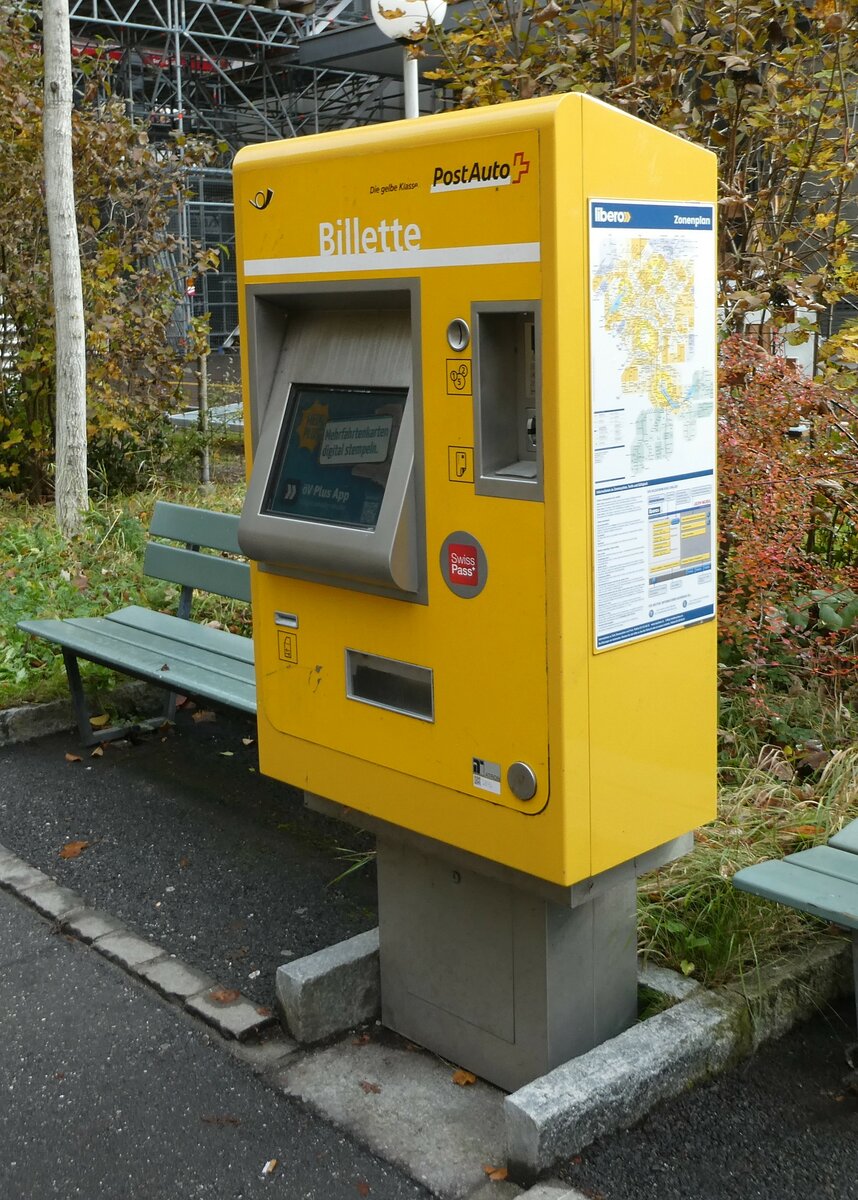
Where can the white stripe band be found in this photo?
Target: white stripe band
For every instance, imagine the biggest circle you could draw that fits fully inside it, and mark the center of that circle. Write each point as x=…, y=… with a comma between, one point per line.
x=449, y=256
x=469, y=187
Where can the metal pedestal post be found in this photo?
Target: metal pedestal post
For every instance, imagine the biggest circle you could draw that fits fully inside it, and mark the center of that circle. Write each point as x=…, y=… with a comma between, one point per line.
x=503, y=973
x=494, y=977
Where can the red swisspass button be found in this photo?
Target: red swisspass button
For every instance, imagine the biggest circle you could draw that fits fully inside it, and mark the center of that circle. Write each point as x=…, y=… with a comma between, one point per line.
x=462, y=565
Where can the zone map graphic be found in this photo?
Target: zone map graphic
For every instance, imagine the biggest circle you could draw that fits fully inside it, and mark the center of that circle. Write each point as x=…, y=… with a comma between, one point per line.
x=644, y=301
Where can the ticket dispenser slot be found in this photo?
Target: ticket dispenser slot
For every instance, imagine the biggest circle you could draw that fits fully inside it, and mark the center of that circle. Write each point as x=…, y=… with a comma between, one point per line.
x=333, y=494
x=506, y=401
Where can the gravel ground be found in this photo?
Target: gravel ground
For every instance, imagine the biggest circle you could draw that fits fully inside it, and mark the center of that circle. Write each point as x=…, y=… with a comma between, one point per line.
x=781, y=1126
x=190, y=846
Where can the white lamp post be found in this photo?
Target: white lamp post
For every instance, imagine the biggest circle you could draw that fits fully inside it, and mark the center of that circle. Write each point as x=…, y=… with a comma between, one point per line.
x=406, y=22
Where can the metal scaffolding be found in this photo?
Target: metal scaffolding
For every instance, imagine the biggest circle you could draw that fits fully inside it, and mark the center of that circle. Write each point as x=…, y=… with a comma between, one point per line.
x=240, y=73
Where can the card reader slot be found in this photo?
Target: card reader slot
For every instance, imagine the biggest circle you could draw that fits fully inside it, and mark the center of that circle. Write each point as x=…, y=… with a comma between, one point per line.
x=386, y=683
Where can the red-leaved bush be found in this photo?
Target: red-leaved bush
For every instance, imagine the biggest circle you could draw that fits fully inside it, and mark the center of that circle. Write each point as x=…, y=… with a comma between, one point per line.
x=788, y=495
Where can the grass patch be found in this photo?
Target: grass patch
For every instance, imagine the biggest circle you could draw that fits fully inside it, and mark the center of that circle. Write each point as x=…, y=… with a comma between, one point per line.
x=773, y=801
x=96, y=573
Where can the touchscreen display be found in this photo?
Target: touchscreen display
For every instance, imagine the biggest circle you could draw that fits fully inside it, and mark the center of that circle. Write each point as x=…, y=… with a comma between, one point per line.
x=334, y=454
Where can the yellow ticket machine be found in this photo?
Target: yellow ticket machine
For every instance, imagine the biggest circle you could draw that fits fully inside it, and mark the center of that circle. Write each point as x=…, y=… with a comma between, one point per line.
x=479, y=362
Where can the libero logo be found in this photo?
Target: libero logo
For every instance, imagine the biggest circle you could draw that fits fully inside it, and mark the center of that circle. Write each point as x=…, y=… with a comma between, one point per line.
x=480, y=174
x=611, y=216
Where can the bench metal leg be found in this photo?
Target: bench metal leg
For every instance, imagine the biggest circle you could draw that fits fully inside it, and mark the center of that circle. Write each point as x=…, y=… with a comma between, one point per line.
x=94, y=737
x=78, y=699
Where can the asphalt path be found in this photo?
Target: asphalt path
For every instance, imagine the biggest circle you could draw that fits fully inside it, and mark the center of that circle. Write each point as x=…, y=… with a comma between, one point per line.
x=107, y=1091
x=190, y=846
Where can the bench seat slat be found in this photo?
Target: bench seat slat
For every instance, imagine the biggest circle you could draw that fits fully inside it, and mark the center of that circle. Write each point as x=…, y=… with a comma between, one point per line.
x=846, y=839
x=837, y=863
x=221, y=641
x=823, y=896
x=221, y=576
x=192, y=670
x=196, y=526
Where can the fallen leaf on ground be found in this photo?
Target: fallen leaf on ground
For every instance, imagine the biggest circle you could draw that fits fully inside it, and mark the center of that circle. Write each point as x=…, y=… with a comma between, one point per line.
x=184, y=862
x=363, y=1188
x=223, y=995
x=264, y=1010
x=203, y=714
x=464, y=1078
x=97, y=752
x=100, y=721
x=270, y=1167
x=227, y=754
x=247, y=741
x=804, y=831
x=495, y=1174
x=370, y=1088
x=361, y=1040
x=80, y=582
x=73, y=849
x=73, y=758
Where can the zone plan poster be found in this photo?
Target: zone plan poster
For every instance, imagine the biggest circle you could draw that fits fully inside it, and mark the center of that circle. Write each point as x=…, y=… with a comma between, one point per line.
x=652, y=375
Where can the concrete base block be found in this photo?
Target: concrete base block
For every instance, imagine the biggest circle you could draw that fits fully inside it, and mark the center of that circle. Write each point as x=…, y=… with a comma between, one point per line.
x=330, y=991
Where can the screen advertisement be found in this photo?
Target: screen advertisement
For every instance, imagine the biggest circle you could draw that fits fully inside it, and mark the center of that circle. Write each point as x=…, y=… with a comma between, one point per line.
x=334, y=454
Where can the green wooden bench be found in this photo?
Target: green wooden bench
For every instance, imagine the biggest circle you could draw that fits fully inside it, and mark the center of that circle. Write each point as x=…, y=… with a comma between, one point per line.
x=172, y=652
x=822, y=881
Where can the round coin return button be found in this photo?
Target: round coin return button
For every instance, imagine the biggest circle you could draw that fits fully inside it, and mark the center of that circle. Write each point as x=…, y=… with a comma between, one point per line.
x=522, y=781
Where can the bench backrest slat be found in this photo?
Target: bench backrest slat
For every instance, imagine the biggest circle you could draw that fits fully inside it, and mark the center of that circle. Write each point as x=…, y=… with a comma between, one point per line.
x=195, y=526
x=221, y=576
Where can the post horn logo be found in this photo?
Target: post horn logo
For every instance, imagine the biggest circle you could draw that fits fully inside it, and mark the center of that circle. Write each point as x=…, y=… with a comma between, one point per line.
x=262, y=199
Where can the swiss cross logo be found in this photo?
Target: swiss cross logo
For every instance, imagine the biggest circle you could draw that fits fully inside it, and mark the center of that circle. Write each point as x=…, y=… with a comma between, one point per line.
x=520, y=166
x=462, y=566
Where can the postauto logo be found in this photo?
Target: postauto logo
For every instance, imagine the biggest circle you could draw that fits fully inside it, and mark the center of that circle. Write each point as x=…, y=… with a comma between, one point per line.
x=477, y=174
x=611, y=216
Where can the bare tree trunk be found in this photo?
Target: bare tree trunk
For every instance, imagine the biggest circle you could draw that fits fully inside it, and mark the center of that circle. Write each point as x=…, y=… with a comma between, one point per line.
x=70, y=481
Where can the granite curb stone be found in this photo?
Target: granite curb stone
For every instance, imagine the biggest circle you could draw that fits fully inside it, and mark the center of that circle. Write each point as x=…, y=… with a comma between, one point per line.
x=17, y=875
x=89, y=924
x=333, y=990
x=175, y=978
x=51, y=899
x=617, y=1083
x=783, y=993
x=128, y=950
x=27, y=722
x=239, y=1018
x=553, y=1189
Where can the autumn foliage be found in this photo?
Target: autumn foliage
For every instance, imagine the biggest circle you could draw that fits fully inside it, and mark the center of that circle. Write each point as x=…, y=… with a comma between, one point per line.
x=788, y=498
x=134, y=270
x=770, y=87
